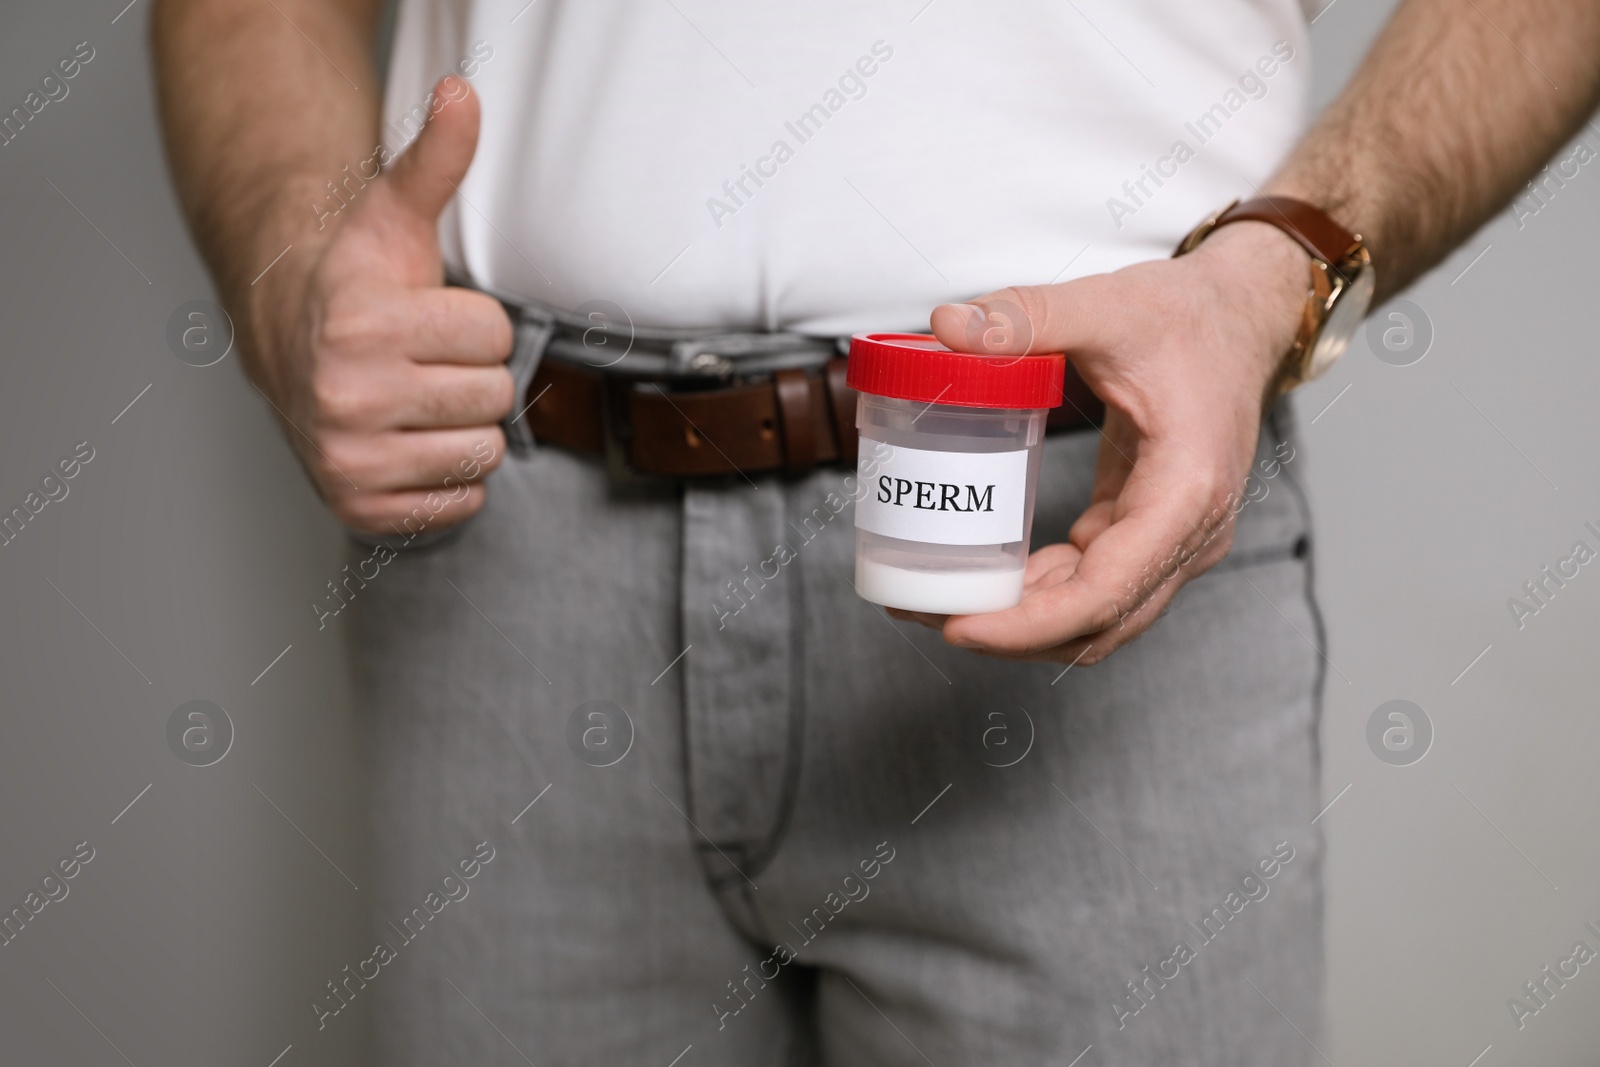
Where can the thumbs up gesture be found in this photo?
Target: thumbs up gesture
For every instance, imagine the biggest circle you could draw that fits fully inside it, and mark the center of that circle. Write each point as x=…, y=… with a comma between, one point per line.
x=391, y=383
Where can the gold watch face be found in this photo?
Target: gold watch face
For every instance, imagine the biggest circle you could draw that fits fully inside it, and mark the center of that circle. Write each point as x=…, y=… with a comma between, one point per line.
x=1347, y=308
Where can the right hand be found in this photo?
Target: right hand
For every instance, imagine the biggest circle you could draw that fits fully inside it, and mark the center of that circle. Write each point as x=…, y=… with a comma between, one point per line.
x=393, y=385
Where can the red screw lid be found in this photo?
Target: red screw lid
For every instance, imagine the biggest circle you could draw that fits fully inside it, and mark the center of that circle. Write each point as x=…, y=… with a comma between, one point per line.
x=915, y=366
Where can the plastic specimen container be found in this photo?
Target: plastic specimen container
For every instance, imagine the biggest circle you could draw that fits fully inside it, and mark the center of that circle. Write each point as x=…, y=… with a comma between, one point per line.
x=954, y=442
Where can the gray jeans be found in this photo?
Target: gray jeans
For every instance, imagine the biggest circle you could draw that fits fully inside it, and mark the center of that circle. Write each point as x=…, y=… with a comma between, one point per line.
x=769, y=825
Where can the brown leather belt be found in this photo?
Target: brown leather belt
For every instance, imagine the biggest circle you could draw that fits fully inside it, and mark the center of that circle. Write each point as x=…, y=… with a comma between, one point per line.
x=792, y=421
x=690, y=403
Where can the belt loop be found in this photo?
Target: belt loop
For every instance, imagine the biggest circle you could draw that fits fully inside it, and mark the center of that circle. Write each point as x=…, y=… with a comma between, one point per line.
x=533, y=329
x=795, y=418
x=843, y=403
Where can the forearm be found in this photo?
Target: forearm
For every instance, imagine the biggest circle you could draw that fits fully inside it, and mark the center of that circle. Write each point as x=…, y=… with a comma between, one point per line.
x=1458, y=103
x=257, y=118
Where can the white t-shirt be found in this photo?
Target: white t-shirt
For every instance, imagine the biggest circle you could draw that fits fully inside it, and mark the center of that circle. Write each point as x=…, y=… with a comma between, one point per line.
x=840, y=165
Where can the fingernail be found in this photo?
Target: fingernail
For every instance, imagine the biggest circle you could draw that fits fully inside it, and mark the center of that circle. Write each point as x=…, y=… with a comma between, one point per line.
x=972, y=315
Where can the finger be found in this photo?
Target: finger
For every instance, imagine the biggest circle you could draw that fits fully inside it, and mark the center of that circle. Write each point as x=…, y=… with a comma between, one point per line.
x=1155, y=541
x=426, y=175
x=1080, y=652
x=1050, y=565
x=1029, y=319
x=935, y=622
x=1085, y=650
x=408, y=512
x=411, y=396
x=442, y=395
x=1114, y=464
x=413, y=459
x=1094, y=521
x=450, y=325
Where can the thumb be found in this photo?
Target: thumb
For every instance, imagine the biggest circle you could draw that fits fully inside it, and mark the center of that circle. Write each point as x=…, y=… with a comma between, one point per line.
x=1023, y=320
x=425, y=177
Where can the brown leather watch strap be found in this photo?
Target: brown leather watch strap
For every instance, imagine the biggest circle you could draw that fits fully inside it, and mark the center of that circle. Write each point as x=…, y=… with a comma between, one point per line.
x=1310, y=226
x=793, y=421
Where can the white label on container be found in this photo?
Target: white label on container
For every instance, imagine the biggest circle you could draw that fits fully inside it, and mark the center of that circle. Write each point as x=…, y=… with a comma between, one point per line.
x=945, y=498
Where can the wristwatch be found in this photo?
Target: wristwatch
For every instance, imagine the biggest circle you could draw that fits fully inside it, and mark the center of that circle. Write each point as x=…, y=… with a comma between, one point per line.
x=1342, y=280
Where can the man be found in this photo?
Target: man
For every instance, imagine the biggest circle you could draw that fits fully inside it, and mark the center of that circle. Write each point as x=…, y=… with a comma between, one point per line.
x=786, y=831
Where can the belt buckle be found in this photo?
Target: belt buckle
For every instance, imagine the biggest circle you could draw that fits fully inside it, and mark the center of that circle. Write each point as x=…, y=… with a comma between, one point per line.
x=730, y=356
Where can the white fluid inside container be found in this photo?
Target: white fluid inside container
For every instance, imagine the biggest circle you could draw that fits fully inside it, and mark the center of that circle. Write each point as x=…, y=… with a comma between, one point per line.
x=943, y=592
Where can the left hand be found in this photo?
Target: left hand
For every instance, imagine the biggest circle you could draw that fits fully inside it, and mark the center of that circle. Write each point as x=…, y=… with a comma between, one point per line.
x=1181, y=351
